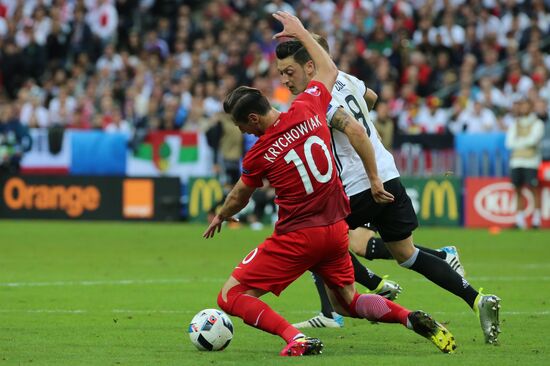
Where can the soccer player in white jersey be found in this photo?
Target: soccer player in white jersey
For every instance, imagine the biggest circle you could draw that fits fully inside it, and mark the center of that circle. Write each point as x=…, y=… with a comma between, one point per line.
x=387, y=207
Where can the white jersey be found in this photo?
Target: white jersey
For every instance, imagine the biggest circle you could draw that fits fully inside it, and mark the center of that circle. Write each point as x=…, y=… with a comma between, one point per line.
x=348, y=92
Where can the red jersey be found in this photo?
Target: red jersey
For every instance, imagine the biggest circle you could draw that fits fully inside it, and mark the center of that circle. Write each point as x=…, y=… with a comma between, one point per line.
x=295, y=156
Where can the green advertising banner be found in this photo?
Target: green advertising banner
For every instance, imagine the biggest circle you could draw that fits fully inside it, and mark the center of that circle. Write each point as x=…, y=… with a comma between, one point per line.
x=204, y=194
x=436, y=200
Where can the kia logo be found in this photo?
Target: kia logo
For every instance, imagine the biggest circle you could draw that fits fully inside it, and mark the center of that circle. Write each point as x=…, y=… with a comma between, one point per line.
x=497, y=202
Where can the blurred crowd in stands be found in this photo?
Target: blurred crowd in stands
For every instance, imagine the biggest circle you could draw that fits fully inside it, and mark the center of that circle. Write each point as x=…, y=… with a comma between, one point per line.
x=132, y=66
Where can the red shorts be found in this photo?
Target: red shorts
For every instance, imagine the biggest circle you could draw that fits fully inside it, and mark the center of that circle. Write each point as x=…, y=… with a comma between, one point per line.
x=281, y=259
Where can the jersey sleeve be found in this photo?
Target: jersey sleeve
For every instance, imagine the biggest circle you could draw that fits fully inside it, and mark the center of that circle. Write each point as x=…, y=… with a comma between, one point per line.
x=252, y=173
x=332, y=108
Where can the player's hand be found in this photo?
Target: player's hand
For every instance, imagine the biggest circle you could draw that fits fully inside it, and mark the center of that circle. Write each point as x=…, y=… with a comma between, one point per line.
x=216, y=225
x=292, y=26
x=379, y=194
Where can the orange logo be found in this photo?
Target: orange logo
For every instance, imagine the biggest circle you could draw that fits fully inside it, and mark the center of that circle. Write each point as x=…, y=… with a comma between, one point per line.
x=137, y=198
x=71, y=199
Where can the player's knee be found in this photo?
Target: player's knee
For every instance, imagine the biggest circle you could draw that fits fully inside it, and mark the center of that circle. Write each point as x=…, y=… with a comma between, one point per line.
x=224, y=303
x=227, y=297
x=357, y=248
x=400, y=251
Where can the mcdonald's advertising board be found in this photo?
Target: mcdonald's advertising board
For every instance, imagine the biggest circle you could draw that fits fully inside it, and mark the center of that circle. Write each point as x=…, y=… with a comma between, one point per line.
x=204, y=194
x=493, y=202
x=436, y=201
x=89, y=198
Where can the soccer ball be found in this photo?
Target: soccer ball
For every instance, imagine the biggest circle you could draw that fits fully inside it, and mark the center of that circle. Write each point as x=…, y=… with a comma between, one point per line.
x=211, y=330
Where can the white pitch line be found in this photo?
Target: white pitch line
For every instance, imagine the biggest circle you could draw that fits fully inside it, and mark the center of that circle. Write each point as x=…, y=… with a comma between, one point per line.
x=499, y=278
x=222, y=280
x=129, y=311
x=111, y=282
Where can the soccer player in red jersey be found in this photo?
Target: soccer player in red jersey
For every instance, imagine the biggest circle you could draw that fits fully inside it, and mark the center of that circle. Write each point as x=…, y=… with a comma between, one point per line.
x=293, y=154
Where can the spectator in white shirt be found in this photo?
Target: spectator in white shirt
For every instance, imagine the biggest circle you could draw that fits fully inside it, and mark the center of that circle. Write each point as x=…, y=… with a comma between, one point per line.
x=61, y=108
x=42, y=25
x=431, y=117
x=524, y=139
x=279, y=5
x=475, y=119
x=452, y=34
x=110, y=60
x=487, y=24
x=118, y=124
x=25, y=35
x=325, y=9
x=491, y=96
x=517, y=84
x=33, y=113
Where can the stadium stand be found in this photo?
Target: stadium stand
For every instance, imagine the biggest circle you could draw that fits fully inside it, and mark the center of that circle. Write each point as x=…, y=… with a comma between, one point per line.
x=442, y=69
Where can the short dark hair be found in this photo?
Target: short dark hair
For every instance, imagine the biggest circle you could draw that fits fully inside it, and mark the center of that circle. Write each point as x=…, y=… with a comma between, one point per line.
x=292, y=48
x=244, y=100
x=297, y=50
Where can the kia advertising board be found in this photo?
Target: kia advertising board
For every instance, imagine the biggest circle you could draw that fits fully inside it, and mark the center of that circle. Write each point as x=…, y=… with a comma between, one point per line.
x=89, y=198
x=492, y=202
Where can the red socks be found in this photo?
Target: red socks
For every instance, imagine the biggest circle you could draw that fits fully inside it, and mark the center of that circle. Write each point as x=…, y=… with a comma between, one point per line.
x=378, y=308
x=256, y=313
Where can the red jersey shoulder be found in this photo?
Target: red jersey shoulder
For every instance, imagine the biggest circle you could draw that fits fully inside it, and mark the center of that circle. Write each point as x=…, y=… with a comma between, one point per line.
x=313, y=90
x=316, y=96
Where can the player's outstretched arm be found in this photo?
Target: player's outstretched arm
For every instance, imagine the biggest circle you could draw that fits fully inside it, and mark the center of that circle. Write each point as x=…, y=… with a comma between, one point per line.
x=361, y=143
x=292, y=27
x=236, y=200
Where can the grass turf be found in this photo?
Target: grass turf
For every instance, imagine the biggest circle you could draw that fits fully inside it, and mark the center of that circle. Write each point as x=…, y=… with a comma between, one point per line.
x=87, y=293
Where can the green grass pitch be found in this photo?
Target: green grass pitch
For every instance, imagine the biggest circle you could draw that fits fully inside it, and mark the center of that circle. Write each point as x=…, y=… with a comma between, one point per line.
x=86, y=293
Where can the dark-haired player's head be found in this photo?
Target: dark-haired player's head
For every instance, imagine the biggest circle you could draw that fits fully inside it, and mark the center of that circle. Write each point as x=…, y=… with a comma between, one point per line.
x=295, y=65
x=246, y=106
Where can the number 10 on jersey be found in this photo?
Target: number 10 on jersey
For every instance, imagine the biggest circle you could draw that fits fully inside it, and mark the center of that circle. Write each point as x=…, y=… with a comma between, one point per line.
x=293, y=157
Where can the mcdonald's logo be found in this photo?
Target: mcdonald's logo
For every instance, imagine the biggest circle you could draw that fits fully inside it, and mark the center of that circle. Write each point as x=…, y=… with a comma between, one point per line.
x=438, y=191
x=205, y=193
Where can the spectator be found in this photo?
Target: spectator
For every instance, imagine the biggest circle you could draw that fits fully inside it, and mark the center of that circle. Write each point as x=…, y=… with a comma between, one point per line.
x=61, y=108
x=14, y=140
x=57, y=45
x=227, y=144
x=110, y=60
x=42, y=25
x=279, y=5
x=33, y=113
x=431, y=118
x=490, y=67
x=492, y=97
x=524, y=140
x=262, y=198
x=118, y=124
x=81, y=36
x=475, y=119
x=198, y=51
x=384, y=125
